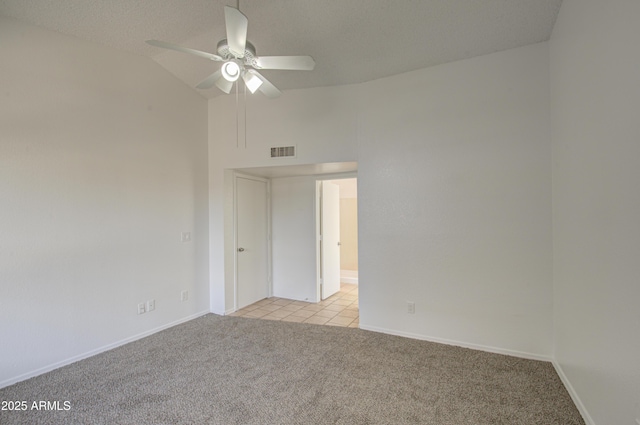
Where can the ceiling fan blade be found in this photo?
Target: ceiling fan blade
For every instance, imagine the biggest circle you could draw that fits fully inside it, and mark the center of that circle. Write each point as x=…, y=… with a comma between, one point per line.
x=266, y=87
x=295, y=63
x=237, y=25
x=175, y=47
x=224, y=85
x=208, y=82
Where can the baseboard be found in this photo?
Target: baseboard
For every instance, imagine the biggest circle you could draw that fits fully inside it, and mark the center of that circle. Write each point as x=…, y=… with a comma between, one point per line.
x=353, y=280
x=102, y=349
x=229, y=311
x=489, y=349
x=588, y=420
x=349, y=276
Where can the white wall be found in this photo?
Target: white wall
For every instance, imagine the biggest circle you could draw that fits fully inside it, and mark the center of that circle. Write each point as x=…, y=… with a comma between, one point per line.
x=293, y=212
x=454, y=197
x=102, y=165
x=595, y=86
x=454, y=192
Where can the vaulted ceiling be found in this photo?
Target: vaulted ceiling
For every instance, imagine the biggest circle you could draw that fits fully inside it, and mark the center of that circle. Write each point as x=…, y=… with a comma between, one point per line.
x=352, y=41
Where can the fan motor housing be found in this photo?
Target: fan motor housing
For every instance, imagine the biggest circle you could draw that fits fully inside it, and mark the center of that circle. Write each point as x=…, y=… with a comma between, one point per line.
x=249, y=57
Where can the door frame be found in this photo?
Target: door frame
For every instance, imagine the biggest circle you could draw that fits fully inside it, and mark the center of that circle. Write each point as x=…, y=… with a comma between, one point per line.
x=319, y=180
x=236, y=176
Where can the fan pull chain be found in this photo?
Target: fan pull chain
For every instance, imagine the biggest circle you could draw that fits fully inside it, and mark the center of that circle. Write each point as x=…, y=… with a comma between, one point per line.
x=244, y=105
x=237, y=120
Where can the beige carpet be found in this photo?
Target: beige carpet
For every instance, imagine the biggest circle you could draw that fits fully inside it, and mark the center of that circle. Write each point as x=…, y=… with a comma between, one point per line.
x=234, y=370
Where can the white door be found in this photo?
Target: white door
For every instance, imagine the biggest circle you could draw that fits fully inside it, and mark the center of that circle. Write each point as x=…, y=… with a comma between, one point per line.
x=252, y=283
x=330, y=241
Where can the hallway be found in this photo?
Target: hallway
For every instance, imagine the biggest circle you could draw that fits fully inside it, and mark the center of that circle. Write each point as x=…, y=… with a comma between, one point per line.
x=341, y=309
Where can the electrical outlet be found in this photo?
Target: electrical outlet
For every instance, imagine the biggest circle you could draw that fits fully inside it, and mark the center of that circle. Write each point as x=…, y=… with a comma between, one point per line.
x=185, y=236
x=184, y=295
x=411, y=307
x=151, y=305
x=141, y=308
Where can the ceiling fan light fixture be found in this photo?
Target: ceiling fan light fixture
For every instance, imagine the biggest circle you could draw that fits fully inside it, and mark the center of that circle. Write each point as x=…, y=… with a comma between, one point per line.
x=239, y=59
x=252, y=82
x=230, y=70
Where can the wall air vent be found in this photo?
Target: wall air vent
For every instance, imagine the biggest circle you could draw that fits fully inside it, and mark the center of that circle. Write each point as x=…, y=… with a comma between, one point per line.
x=283, y=152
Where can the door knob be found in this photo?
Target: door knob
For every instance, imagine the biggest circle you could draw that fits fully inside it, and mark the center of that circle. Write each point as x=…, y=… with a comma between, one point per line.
x=240, y=249
x=339, y=244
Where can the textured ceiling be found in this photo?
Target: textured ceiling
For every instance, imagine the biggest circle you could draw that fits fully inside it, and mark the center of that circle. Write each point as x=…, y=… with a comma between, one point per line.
x=352, y=41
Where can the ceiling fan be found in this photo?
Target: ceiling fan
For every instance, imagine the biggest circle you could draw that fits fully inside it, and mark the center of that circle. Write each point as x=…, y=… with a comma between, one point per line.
x=240, y=60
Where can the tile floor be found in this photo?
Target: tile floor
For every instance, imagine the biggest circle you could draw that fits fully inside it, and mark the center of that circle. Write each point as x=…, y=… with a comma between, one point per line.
x=341, y=309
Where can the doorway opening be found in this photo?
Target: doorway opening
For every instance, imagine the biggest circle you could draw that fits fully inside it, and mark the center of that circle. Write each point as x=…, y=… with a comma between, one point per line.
x=294, y=291
x=337, y=234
